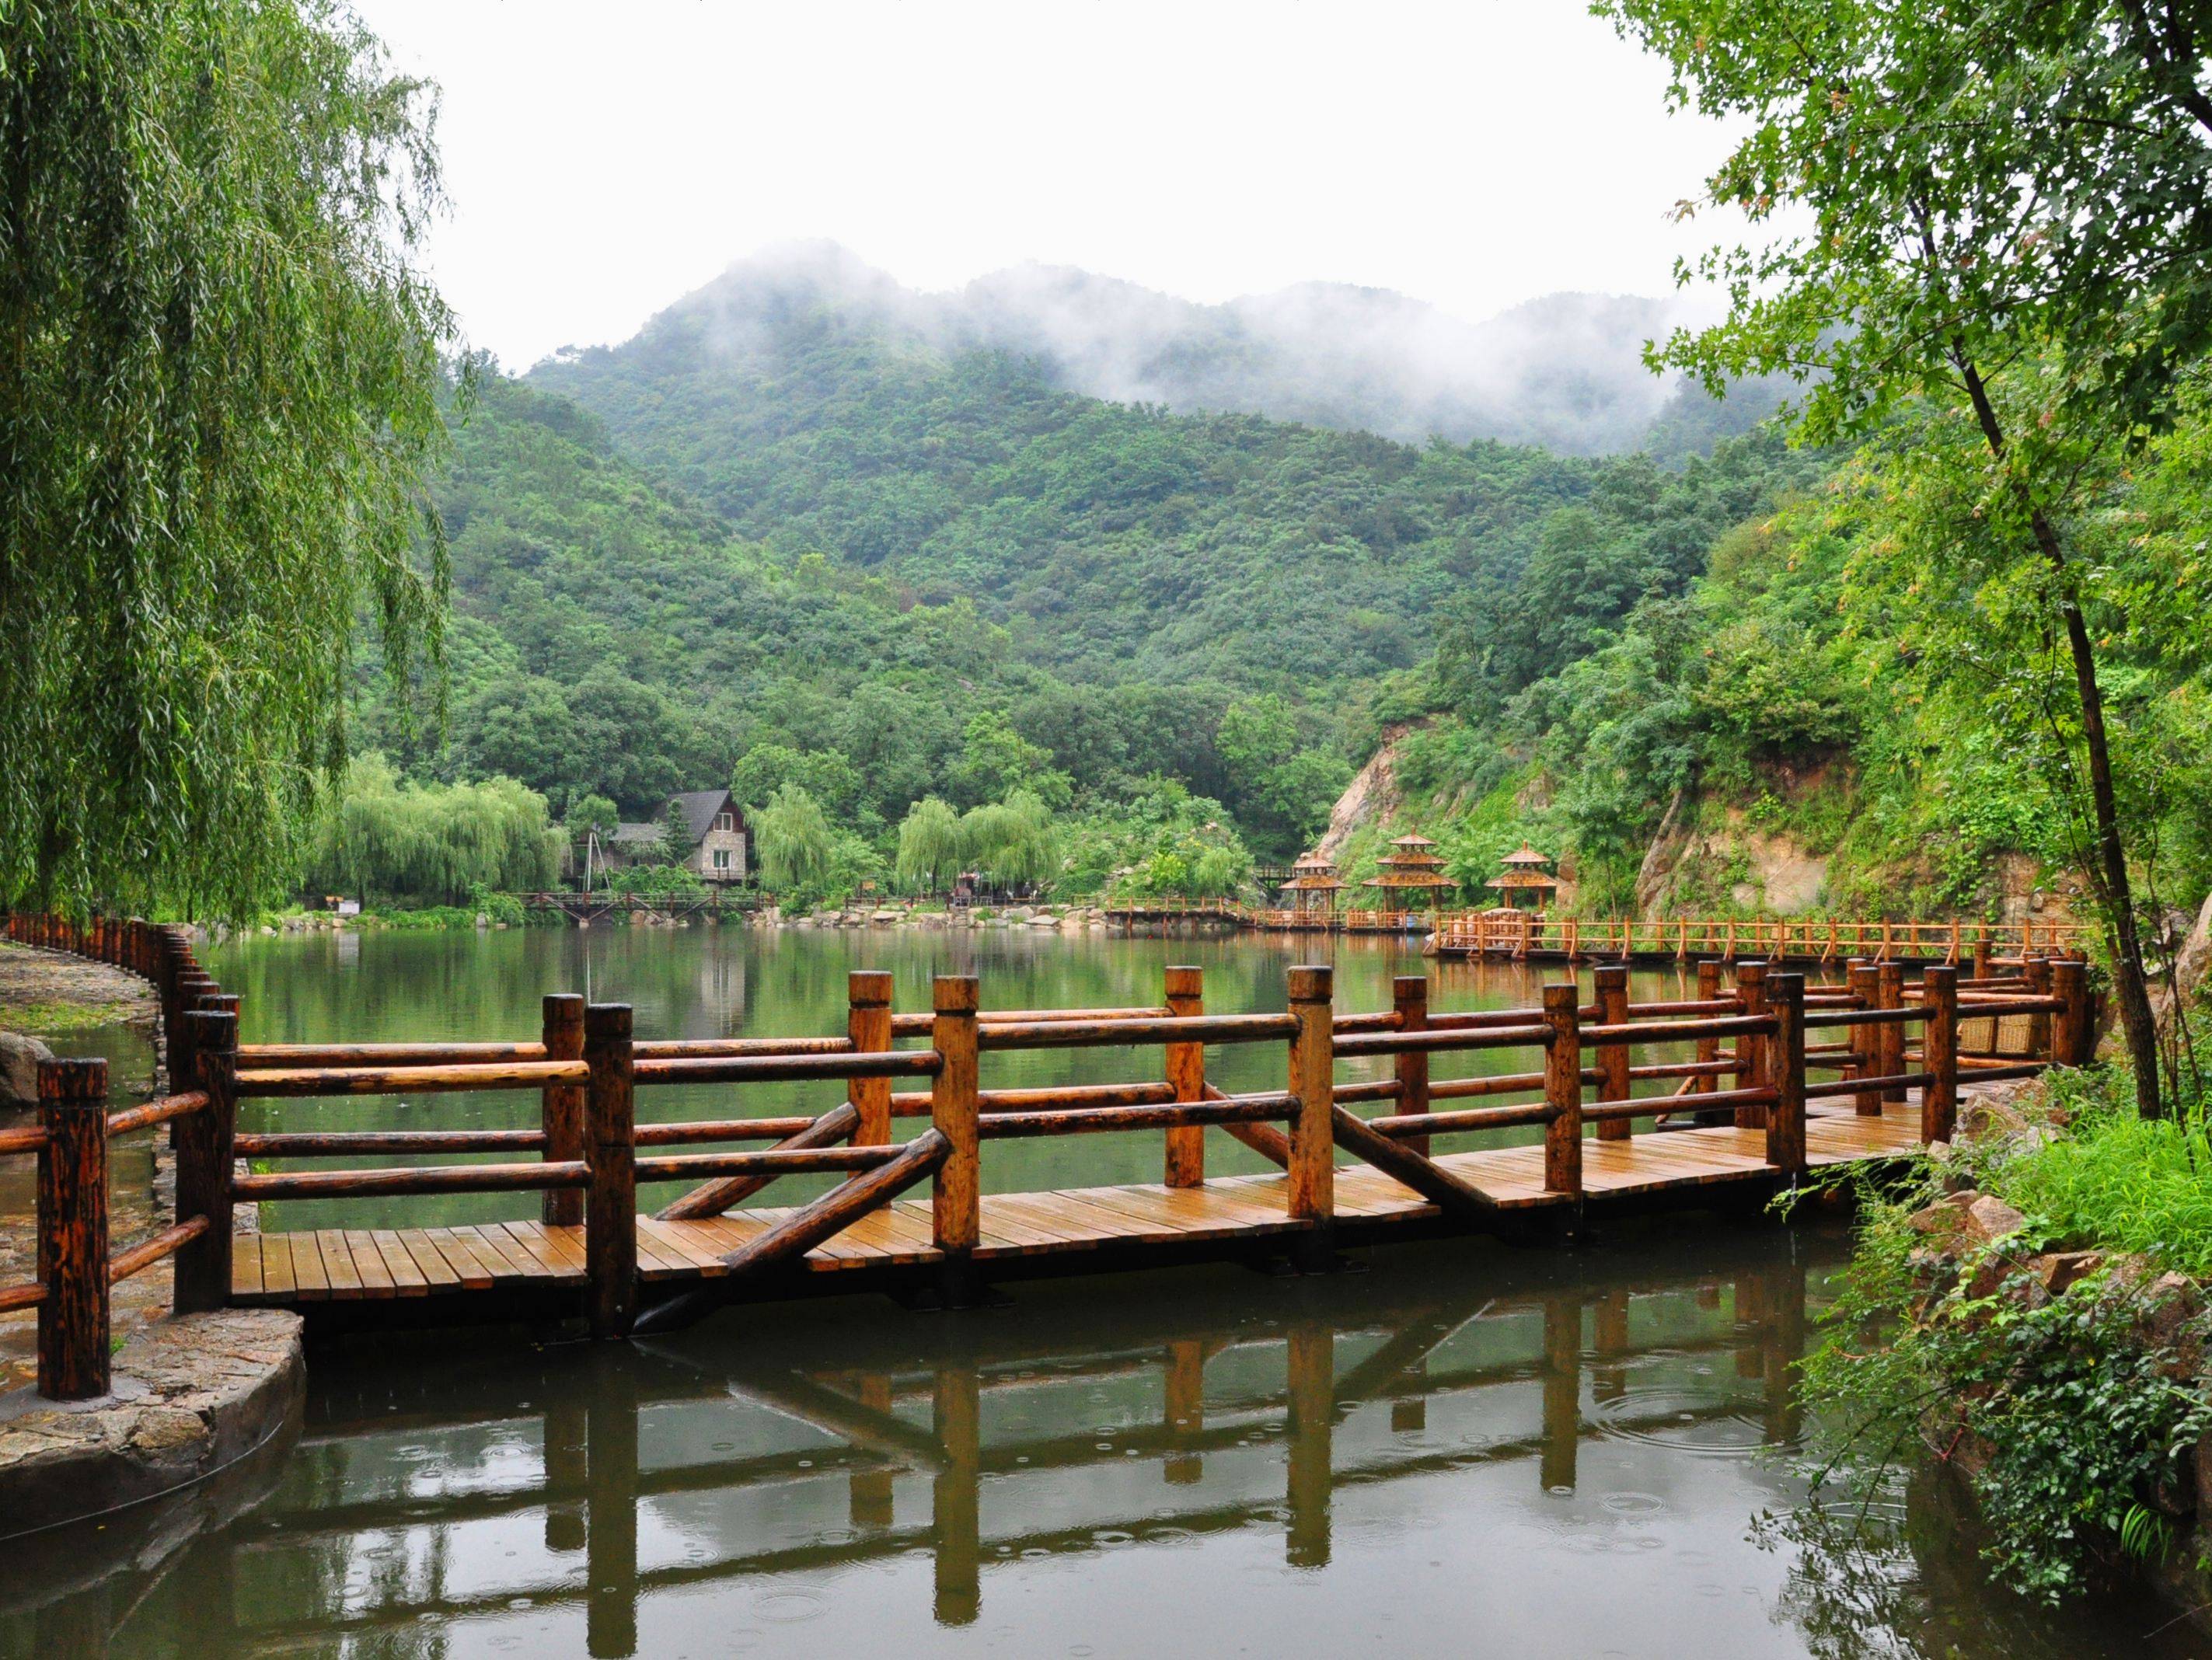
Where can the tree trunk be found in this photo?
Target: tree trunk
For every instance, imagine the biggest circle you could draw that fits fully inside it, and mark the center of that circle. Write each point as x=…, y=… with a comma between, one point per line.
x=2110, y=871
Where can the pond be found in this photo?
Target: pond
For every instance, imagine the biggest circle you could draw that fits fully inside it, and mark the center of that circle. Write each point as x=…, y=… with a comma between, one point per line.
x=1459, y=1447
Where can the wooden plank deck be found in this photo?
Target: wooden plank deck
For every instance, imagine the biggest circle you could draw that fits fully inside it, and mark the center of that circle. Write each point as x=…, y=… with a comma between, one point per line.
x=328, y=1264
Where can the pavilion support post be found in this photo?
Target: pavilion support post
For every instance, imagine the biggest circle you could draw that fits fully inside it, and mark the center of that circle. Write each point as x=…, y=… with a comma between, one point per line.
x=1563, y=1089
x=1785, y=1121
x=1312, y=1184
x=1186, y=1073
x=1409, y=1000
x=1939, y=1052
x=868, y=1024
x=73, y=1319
x=610, y=1151
x=561, y=1106
x=1613, y=1059
x=956, y=1191
x=1752, y=1071
x=205, y=1157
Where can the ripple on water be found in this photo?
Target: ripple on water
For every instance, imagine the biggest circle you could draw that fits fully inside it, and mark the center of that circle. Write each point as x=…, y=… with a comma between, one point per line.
x=1634, y=1504
x=790, y=1607
x=1681, y=1421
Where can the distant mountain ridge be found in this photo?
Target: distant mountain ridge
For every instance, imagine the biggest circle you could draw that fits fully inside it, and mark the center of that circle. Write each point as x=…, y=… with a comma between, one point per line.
x=1564, y=372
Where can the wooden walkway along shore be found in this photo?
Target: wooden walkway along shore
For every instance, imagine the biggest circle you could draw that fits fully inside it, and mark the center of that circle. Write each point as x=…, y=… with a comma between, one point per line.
x=1754, y=1084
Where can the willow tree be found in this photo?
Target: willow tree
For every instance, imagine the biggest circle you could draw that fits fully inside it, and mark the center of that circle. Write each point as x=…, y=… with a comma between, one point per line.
x=793, y=837
x=220, y=383
x=1995, y=217
x=930, y=842
x=1014, y=840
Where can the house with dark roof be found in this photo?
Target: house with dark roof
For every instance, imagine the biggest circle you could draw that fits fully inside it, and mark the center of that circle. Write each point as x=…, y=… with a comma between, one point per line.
x=716, y=823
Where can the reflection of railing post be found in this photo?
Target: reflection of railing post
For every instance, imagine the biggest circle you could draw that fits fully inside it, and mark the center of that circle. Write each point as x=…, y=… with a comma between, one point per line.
x=610, y=1148
x=954, y=1502
x=1185, y=1070
x=611, y=1609
x=1609, y=1338
x=868, y=1024
x=1785, y=1342
x=561, y=1106
x=73, y=1351
x=1186, y=1408
x=870, y=1495
x=567, y=1431
x=1311, y=1395
x=1563, y=1389
x=1409, y=1000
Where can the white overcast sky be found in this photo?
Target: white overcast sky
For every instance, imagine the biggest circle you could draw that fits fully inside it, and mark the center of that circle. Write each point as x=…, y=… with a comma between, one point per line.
x=603, y=158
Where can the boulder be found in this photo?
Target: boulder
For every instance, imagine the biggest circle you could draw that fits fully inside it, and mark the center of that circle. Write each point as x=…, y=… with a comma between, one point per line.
x=2061, y=1271
x=1018, y=913
x=19, y=1069
x=1989, y=1218
x=883, y=916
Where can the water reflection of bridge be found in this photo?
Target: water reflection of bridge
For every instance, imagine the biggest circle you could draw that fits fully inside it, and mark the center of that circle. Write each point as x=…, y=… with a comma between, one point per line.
x=836, y=1457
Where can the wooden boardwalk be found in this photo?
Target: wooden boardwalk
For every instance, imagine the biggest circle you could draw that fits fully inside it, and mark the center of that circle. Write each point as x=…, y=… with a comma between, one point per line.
x=337, y=1265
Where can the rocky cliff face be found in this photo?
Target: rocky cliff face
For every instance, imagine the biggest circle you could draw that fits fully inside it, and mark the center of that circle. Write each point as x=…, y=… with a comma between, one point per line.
x=1373, y=795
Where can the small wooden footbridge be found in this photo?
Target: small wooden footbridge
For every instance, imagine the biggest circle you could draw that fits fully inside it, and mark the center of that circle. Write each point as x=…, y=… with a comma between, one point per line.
x=1761, y=1080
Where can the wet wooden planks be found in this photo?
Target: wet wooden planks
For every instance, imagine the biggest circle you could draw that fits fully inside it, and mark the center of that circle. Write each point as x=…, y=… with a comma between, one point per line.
x=344, y=1264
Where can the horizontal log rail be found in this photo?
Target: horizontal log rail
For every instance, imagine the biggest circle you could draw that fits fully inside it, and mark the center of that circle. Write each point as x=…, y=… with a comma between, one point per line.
x=388, y=1181
x=773, y=1161
x=787, y=1068
x=1237, y=1109
x=290, y=1056
x=692, y=1132
x=167, y=1109
x=144, y=1254
x=1901, y=1080
x=1657, y=1106
x=341, y=1144
x=1446, y=1037
x=409, y=1080
x=1169, y=1029
x=30, y=1138
x=918, y=1025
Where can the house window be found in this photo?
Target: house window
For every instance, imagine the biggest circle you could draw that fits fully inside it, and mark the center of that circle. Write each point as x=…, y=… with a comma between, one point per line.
x=721, y=858
x=724, y=821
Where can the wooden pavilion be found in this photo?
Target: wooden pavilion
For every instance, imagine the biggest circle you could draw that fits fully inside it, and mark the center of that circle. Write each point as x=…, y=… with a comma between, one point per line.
x=1526, y=873
x=1312, y=886
x=1411, y=875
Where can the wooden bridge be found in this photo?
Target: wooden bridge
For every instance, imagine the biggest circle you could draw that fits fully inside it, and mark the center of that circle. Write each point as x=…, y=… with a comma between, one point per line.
x=1754, y=1117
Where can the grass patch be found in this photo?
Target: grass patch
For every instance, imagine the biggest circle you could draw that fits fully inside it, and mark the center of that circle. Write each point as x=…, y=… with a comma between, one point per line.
x=39, y=1020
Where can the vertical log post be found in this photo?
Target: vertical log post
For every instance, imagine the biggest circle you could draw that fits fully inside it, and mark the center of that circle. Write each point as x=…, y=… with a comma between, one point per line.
x=1613, y=1059
x=1981, y=951
x=868, y=1023
x=610, y=1150
x=1186, y=1069
x=561, y=1106
x=1312, y=1184
x=2038, y=971
x=73, y=1351
x=1785, y=1121
x=1709, y=1049
x=955, y=1194
x=1409, y=998
x=2072, y=1031
x=1889, y=994
x=1752, y=1072
x=1939, y=1052
x=1563, y=1089
x=1865, y=1049
x=204, y=1159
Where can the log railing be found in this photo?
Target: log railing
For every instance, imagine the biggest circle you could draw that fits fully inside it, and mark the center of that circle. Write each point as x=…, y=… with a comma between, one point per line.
x=1685, y=939
x=1762, y=1049
x=77, y=1267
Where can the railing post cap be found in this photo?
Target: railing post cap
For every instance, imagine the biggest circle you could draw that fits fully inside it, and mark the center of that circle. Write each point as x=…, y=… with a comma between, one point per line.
x=954, y=994
x=218, y=1027
x=73, y=1080
x=610, y=1018
x=1562, y=995
x=868, y=987
x=566, y=1006
x=1312, y=983
x=1610, y=974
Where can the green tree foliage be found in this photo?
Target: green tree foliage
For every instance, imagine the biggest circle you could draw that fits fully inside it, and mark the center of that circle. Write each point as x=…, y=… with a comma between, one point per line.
x=1012, y=841
x=930, y=843
x=380, y=837
x=591, y=815
x=218, y=397
x=1286, y=787
x=825, y=774
x=675, y=835
x=796, y=843
x=2005, y=231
